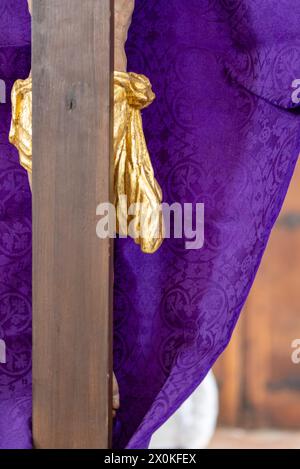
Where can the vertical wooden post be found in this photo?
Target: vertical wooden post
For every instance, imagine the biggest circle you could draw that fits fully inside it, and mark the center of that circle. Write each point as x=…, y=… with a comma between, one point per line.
x=72, y=141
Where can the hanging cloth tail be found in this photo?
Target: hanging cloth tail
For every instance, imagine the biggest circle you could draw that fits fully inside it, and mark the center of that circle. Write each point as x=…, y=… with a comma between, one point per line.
x=138, y=196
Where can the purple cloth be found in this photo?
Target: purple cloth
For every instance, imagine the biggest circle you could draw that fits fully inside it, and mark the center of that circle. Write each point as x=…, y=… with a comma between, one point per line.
x=222, y=131
x=15, y=241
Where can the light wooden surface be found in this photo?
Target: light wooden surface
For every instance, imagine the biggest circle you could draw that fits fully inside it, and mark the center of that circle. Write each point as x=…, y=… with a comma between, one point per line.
x=72, y=135
x=259, y=383
x=237, y=438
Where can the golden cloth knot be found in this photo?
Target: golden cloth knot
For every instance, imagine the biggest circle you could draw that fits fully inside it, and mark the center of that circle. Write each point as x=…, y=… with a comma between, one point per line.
x=133, y=172
x=138, y=196
x=20, y=133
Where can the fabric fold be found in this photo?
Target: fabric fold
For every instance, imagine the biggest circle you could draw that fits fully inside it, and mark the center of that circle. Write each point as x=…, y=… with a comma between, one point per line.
x=21, y=126
x=137, y=194
x=229, y=144
x=266, y=60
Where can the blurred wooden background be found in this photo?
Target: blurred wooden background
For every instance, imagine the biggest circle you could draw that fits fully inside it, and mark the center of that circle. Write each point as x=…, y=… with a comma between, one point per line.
x=259, y=383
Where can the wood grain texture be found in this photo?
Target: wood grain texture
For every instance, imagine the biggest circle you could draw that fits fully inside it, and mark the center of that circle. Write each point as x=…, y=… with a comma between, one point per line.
x=72, y=144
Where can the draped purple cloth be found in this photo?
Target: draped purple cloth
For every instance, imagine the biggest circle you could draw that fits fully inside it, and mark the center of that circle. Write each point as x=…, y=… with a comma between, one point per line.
x=223, y=131
x=15, y=241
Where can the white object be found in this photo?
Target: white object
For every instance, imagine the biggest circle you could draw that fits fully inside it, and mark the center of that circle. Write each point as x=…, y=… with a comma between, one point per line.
x=193, y=424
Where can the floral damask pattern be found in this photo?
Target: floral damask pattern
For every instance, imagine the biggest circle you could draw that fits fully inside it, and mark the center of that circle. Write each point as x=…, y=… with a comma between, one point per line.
x=223, y=131
x=15, y=241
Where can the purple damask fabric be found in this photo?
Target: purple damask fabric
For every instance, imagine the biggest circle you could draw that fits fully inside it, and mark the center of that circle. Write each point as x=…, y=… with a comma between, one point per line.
x=15, y=240
x=224, y=131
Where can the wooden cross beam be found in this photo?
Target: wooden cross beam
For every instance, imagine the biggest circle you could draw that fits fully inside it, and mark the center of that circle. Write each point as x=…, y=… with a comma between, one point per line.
x=72, y=69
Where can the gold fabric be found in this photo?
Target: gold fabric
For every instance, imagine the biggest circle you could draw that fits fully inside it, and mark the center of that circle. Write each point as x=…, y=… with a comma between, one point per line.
x=133, y=172
x=134, y=182
x=21, y=127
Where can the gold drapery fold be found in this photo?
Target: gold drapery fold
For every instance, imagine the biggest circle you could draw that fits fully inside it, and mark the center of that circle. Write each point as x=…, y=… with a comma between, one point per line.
x=21, y=126
x=138, y=196
x=133, y=171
